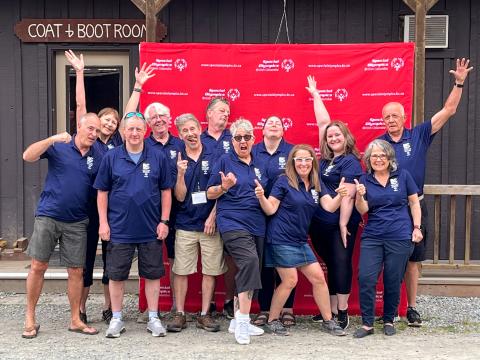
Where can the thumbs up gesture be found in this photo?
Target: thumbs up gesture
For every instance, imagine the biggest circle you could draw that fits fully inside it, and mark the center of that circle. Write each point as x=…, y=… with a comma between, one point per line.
x=259, y=192
x=342, y=189
x=361, y=190
x=181, y=164
x=228, y=180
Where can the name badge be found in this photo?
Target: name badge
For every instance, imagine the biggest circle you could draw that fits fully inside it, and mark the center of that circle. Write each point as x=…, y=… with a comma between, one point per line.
x=199, y=197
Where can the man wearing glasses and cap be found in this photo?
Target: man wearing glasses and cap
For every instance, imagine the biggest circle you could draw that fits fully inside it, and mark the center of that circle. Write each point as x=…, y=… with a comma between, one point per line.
x=134, y=199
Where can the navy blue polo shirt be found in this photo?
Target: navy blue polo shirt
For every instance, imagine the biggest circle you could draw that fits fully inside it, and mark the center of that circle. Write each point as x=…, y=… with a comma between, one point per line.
x=331, y=173
x=239, y=208
x=289, y=225
x=134, y=198
x=411, y=150
x=191, y=217
x=219, y=147
x=114, y=141
x=170, y=148
x=68, y=186
x=388, y=209
x=275, y=163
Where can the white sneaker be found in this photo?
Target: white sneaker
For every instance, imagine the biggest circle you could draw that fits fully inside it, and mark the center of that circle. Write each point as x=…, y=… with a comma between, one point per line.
x=252, y=329
x=115, y=328
x=241, y=331
x=156, y=328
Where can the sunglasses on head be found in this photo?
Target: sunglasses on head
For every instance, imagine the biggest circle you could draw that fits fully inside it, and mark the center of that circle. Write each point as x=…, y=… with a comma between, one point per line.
x=239, y=138
x=134, y=113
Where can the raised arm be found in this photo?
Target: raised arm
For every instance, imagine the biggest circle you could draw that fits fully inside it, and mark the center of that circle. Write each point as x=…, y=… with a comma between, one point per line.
x=80, y=99
x=451, y=104
x=321, y=114
x=33, y=152
x=141, y=77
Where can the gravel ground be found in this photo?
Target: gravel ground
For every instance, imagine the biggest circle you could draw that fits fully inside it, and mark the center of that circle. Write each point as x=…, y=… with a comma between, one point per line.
x=451, y=331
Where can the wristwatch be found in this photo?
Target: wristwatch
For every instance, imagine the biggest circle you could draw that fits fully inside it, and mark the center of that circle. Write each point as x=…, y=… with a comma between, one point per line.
x=419, y=227
x=166, y=222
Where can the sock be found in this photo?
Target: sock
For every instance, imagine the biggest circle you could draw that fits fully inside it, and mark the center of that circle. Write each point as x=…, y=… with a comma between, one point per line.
x=203, y=313
x=117, y=315
x=152, y=314
x=240, y=316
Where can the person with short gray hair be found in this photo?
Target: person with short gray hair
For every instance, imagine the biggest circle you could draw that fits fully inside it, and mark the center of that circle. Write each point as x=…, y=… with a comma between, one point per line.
x=386, y=148
x=217, y=137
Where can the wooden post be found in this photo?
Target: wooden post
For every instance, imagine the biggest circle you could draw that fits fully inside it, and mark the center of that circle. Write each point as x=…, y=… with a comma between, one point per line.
x=420, y=8
x=150, y=8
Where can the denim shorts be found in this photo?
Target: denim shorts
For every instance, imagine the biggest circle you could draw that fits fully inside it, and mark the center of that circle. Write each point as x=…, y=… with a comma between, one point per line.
x=289, y=256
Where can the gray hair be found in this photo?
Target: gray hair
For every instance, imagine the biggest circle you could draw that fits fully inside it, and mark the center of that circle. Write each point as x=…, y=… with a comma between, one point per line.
x=215, y=101
x=158, y=108
x=241, y=124
x=84, y=117
x=387, y=148
x=181, y=120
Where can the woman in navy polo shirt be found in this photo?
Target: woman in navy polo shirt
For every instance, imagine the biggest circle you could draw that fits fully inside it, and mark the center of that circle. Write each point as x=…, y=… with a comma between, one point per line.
x=108, y=139
x=333, y=234
x=240, y=220
x=386, y=195
x=294, y=199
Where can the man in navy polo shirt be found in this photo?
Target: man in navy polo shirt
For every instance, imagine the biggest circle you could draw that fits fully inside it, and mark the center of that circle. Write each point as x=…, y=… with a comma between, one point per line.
x=134, y=199
x=411, y=146
x=195, y=225
x=158, y=118
x=62, y=215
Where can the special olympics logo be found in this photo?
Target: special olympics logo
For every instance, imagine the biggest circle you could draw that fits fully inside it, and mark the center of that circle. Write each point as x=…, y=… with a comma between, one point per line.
x=233, y=94
x=287, y=123
x=397, y=63
x=288, y=65
x=341, y=94
x=180, y=64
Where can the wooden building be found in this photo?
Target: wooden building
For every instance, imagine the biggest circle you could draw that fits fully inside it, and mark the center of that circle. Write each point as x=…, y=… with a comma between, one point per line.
x=35, y=83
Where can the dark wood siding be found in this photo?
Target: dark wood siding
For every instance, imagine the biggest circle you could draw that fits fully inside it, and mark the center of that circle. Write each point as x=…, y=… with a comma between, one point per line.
x=26, y=96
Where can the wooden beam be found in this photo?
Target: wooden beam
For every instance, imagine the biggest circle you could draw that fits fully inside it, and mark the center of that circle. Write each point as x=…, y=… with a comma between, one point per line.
x=140, y=4
x=160, y=4
x=150, y=8
x=451, y=190
x=410, y=3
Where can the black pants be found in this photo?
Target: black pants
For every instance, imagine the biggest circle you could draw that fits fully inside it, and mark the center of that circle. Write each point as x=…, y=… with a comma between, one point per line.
x=328, y=244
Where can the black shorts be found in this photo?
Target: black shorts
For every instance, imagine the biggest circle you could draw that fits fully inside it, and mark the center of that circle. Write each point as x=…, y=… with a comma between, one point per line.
x=420, y=250
x=150, y=260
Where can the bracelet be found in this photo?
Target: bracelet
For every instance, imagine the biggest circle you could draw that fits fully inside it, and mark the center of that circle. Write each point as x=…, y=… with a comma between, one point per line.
x=419, y=227
x=458, y=85
x=139, y=90
x=223, y=189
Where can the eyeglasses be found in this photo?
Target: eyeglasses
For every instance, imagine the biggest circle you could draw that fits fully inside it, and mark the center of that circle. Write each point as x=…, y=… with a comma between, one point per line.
x=378, y=157
x=239, y=138
x=160, y=116
x=305, y=160
x=134, y=113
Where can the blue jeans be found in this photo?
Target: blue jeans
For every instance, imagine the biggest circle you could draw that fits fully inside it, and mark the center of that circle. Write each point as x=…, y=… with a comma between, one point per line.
x=376, y=255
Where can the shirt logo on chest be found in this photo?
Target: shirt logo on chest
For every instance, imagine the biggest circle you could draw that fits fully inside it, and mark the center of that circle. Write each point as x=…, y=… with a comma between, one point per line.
x=226, y=146
x=328, y=170
x=173, y=154
x=314, y=195
x=407, y=149
x=394, y=184
x=146, y=169
x=258, y=174
x=89, y=162
x=205, y=167
x=282, y=163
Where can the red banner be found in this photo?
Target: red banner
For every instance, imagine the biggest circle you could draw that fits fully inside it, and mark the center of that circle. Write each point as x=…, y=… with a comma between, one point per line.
x=354, y=81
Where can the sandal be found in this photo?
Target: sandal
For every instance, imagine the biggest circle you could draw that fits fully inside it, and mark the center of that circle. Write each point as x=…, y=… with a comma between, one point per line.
x=261, y=319
x=288, y=319
x=35, y=328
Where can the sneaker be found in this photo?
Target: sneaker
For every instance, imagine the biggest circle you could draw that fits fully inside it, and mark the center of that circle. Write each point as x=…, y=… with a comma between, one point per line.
x=155, y=327
x=208, y=323
x=212, y=309
x=276, y=328
x=107, y=315
x=178, y=322
x=332, y=328
x=319, y=318
x=343, y=319
x=115, y=328
x=241, y=331
x=413, y=317
x=228, y=309
x=252, y=329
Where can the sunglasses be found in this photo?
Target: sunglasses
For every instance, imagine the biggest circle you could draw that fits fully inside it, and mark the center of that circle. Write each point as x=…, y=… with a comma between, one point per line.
x=239, y=138
x=134, y=113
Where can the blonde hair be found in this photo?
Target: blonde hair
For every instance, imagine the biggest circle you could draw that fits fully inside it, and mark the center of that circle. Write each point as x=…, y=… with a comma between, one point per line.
x=349, y=148
x=291, y=172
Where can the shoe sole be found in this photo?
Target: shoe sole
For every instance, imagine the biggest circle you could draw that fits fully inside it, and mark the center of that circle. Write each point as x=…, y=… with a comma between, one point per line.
x=232, y=331
x=228, y=316
x=208, y=328
x=154, y=335
x=114, y=336
x=414, y=324
x=176, y=329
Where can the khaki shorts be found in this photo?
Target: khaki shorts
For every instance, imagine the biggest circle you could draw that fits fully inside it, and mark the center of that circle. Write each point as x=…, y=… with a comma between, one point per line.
x=186, y=253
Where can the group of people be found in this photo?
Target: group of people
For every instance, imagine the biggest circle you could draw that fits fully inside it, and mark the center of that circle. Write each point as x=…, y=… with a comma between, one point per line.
x=249, y=208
